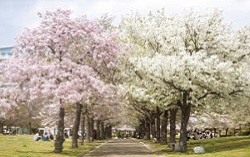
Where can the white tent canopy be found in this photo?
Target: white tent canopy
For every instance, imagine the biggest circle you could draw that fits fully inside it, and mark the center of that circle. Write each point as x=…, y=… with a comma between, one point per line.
x=125, y=128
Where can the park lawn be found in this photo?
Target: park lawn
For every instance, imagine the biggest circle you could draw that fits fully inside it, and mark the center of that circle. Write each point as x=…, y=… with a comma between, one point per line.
x=24, y=146
x=237, y=146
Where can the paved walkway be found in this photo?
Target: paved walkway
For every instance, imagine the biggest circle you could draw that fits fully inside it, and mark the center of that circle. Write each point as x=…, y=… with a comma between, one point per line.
x=122, y=148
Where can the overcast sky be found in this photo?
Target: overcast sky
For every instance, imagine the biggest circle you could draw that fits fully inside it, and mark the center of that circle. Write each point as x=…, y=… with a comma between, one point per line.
x=15, y=15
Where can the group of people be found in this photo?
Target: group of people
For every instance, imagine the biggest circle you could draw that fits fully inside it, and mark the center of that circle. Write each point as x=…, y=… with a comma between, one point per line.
x=199, y=135
x=44, y=137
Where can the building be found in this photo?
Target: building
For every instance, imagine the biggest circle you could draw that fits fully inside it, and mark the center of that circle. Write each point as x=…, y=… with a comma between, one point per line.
x=5, y=52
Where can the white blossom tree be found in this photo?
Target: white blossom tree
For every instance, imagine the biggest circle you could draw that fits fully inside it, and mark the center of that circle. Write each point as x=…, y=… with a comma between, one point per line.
x=192, y=56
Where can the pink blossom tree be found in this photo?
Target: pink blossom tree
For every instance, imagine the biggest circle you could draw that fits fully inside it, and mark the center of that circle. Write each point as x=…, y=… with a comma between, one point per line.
x=62, y=61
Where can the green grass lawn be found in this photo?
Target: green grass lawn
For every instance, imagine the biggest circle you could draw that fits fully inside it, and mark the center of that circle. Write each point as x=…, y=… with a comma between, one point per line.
x=238, y=146
x=24, y=146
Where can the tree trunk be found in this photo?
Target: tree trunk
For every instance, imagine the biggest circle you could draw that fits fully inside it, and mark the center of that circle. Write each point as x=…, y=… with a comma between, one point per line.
x=219, y=134
x=142, y=128
x=152, y=126
x=173, y=113
x=82, y=128
x=88, y=127
x=164, y=128
x=158, y=123
x=30, y=128
x=98, y=123
x=108, y=131
x=185, y=113
x=76, y=124
x=92, y=129
x=102, y=131
x=227, y=131
x=1, y=126
x=60, y=132
x=147, y=130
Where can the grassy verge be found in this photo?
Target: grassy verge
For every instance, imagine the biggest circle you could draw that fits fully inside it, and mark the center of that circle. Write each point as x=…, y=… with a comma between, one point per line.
x=218, y=147
x=24, y=146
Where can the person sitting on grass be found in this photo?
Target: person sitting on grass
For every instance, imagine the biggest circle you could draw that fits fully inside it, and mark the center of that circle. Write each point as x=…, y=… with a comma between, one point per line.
x=45, y=137
x=51, y=137
x=37, y=137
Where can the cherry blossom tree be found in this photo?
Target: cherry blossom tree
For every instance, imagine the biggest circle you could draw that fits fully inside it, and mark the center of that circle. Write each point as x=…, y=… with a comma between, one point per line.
x=60, y=60
x=190, y=56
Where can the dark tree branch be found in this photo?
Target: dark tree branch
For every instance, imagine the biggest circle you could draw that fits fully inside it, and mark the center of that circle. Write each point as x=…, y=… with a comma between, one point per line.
x=52, y=50
x=235, y=92
x=209, y=93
